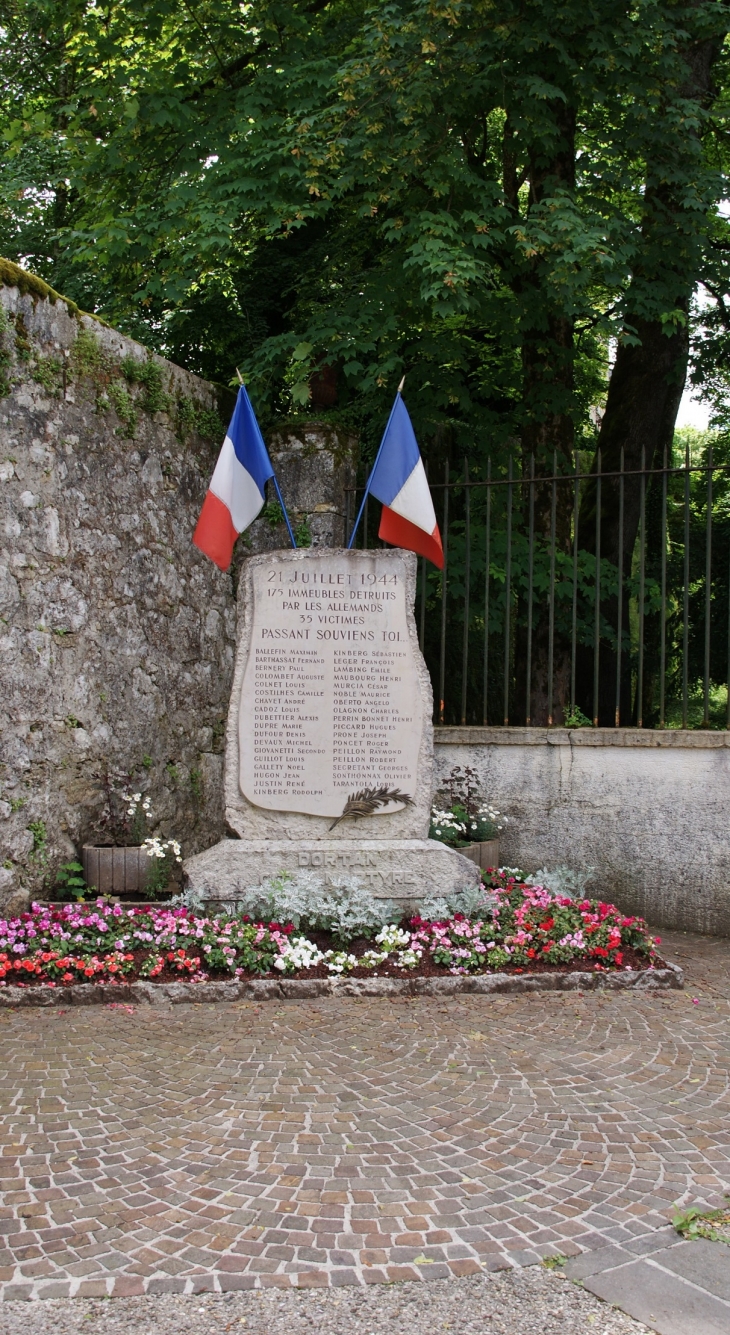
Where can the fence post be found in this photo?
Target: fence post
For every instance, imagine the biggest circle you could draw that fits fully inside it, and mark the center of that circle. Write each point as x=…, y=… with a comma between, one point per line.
x=442, y=653
x=642, y=592
x=708, y=591
x=620, y=610
x=663, y=629
x=487, y=557
x=574, y=611
x=597, y=618
x=530, y=564
x=467, y=573
x=507, y=594
x=685, y=607
x=551, y=609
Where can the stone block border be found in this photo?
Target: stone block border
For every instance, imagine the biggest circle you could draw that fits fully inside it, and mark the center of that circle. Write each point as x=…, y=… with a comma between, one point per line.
x=307, y=989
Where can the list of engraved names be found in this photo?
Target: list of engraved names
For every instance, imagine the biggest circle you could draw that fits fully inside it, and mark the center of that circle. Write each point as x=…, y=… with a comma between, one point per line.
x=330, y=702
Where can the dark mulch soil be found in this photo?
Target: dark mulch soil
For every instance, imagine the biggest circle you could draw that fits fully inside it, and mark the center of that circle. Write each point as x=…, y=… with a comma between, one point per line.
x=426, y=969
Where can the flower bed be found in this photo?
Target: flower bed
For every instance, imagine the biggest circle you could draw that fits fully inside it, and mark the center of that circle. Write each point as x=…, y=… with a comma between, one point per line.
x=520, y=928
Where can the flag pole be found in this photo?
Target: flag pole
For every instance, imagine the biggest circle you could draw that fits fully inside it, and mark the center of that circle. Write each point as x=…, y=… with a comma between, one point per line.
x=276, y=485
x=283, y=510
x=399, y=391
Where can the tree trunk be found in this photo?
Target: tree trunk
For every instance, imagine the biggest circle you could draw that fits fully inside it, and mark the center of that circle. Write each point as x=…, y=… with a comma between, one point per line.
x=547, y=436
x=645, y=390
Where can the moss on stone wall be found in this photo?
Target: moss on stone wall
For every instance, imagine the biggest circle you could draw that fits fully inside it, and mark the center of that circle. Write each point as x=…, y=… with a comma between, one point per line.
x=130, y=386
x=11, y=275
x=5, y=356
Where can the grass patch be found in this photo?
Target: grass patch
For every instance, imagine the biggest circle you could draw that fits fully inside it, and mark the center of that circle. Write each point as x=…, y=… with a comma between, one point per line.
x=713, y=1225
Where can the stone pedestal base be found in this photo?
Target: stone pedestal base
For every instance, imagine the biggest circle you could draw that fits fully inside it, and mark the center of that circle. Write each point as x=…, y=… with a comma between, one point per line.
x=405, y=870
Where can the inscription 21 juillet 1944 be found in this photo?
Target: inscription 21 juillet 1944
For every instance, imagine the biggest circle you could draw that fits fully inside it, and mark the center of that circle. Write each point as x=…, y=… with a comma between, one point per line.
x=331, y=701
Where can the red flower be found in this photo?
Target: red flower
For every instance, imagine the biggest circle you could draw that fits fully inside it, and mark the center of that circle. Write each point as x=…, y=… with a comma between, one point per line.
x=547, y=924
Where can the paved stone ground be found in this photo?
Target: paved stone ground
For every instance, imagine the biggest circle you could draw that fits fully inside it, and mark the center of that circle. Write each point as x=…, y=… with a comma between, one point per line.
x=335, y=1142
x=680, y=1287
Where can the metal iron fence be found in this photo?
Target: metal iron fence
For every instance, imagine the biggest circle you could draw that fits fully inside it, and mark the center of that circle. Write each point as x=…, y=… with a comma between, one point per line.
x=594, y=597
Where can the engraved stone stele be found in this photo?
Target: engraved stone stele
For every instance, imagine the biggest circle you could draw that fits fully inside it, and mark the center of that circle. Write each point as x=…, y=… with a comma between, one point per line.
x=331, y=700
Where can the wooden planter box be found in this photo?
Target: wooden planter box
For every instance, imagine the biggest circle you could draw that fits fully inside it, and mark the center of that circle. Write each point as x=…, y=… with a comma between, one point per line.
x=485, y=855
x=115, y=871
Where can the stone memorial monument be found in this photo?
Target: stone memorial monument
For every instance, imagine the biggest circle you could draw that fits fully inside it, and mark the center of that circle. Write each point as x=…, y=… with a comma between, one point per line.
x=329, y=743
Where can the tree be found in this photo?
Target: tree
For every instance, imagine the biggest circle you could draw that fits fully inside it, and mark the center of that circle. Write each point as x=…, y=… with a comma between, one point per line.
x=484, y=200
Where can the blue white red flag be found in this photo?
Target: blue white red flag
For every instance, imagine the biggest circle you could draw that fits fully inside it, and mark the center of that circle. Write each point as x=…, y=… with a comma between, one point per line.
x=236, y=492
x=399, y=480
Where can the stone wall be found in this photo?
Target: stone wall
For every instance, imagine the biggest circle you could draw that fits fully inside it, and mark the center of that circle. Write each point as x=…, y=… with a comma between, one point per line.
x=117, y=636
x=648, y=810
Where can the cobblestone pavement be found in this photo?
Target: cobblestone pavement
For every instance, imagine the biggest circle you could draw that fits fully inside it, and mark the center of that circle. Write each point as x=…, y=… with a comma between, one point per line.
x=355, y=1140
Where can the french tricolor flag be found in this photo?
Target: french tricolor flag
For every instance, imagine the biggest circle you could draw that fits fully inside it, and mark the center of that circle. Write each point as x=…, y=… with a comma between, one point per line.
x=236, y=492
x=399, y=480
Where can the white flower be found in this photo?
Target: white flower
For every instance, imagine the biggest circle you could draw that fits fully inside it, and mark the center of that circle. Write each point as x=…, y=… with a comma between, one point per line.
x=298, y=953
x=338, y=961
x=372, y=958
x=393, y=938
x=408, y=959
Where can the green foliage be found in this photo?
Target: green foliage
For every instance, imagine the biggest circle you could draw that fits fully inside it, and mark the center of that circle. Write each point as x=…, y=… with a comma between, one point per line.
x=575, y=718
x=39, y=851
x=191, y=417
x=87, y=355
x=343, y=907
x=695, y=1223
x=400, y=187
x=47, y=371
x=149, y=374
x=22, y=342
x=5, y=354
x=124, y=406
x=70, y=880
x=273, y=514
x=303, y=533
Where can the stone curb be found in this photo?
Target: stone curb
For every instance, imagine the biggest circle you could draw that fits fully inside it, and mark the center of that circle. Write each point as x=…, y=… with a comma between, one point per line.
x=304, y=989
x=224, y=1281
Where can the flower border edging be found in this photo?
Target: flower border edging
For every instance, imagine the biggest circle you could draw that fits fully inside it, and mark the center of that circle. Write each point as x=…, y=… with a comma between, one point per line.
x=301, y=989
